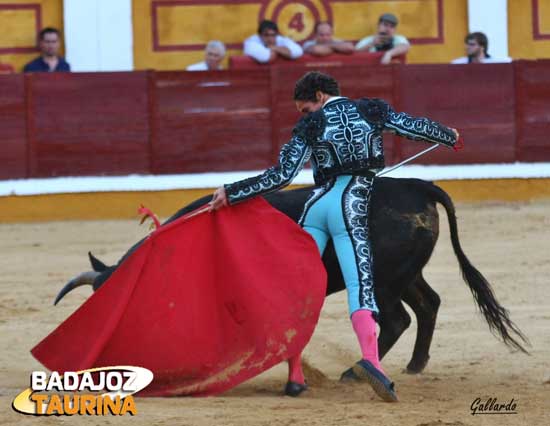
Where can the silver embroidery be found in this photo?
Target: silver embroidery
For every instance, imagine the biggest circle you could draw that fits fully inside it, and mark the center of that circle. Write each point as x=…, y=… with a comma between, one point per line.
x=292, y=159
x=355, y=200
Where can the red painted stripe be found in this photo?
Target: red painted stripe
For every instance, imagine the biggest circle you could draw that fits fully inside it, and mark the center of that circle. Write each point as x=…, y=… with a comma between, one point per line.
x=537, y=35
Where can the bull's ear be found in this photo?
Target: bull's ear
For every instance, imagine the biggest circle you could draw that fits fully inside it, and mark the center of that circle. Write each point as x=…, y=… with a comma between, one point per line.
x=97, y=265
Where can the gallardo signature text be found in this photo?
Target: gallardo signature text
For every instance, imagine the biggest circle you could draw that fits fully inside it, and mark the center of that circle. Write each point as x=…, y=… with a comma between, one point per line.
x=492, y=406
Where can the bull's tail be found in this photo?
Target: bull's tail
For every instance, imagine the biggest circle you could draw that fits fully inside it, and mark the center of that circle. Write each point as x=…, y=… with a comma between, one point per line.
x=85, y=278
x=496, y=315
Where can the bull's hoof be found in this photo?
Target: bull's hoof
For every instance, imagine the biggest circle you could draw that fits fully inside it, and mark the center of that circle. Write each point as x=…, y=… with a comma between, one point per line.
x=294, y=389
x=364, y=370
x=416, y=367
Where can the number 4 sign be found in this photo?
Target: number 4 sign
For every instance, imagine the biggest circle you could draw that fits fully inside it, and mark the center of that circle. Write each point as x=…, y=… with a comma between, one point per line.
x=296, y=19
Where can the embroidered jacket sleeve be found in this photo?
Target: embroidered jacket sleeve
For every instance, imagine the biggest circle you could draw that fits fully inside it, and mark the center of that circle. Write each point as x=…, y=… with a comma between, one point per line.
x=292, y=159
x=419, y=129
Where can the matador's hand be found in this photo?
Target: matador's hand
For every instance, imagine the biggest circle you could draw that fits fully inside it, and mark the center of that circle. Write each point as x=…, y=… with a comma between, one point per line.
x=459, y=141
x=219, y=199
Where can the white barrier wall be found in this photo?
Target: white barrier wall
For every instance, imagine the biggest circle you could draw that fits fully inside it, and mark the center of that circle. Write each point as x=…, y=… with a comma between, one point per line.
x=99, y=35
x=491, y=18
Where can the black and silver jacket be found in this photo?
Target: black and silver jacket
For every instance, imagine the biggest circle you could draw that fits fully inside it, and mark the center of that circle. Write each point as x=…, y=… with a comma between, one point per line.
x=343, y=137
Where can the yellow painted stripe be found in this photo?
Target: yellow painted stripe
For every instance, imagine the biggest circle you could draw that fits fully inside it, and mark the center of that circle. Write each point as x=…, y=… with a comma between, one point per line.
x=19, y=26
x=184, y=24
x=94, y=205
x=497, y=189
x=124, y=205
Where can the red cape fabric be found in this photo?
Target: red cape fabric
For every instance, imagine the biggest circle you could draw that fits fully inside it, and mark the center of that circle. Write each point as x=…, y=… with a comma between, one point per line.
x=205, y=303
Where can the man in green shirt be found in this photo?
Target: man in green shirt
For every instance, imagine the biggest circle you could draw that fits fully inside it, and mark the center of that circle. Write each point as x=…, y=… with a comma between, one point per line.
x=385, y=40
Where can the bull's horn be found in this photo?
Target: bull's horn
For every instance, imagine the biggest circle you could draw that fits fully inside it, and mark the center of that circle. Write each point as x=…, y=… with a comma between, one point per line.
x=85, y=278
x=97, y=265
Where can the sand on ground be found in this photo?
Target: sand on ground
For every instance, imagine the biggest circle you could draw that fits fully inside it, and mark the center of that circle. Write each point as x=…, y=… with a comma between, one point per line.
x=508, y=242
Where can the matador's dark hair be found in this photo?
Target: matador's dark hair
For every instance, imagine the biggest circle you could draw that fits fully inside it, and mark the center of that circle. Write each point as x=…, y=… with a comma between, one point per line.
x=313, y=82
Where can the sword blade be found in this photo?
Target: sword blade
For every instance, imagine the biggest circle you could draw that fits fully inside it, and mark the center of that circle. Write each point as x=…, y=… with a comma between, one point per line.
x=383, y=172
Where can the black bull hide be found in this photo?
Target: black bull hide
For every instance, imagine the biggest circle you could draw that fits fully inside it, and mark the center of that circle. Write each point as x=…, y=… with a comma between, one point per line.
x=404, y=226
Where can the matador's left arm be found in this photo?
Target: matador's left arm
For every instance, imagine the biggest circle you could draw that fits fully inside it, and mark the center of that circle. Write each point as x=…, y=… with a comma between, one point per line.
x=421, y=128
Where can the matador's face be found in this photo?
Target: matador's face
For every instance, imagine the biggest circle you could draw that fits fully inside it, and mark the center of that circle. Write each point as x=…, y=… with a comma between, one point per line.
x=305, y=107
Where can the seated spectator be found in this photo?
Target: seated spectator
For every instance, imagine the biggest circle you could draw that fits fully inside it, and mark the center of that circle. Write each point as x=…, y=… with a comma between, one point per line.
x=213, y=57
x=6, y=68
x=324, y=43
x=385, y=39
x=267, y=45
x=477, y=46
x=49, y=60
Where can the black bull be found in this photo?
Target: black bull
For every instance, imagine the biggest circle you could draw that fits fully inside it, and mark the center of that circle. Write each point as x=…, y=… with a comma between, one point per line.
x=404, y=227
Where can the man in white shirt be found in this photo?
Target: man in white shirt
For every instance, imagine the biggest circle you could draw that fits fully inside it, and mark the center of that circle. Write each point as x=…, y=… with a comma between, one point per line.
x=324, y=43
x=477, y=46
x=267, y=45
x=385, y=39
x=213, y=57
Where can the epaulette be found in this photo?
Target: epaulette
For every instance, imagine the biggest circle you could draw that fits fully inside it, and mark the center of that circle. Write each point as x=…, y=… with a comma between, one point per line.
x=310, y=127
x=375, y=111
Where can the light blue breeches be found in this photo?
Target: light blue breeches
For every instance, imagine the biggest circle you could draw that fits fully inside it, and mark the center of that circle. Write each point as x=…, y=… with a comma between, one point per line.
x=339, y=210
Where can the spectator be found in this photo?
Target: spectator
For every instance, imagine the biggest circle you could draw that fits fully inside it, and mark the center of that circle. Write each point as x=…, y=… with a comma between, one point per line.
x=477, y=46
x=324, y=42
x=49, y=60
x=385, y=40
x=267, y=45
x=213, y=57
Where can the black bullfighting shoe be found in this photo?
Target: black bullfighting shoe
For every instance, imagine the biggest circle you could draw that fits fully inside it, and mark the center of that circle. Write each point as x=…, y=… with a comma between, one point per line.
x=294, y=389
x=364, y=370
x=349, y=376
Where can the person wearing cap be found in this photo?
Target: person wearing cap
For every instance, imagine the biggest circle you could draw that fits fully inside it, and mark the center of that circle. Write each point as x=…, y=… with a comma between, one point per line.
x=268, y=44
x=385, y=40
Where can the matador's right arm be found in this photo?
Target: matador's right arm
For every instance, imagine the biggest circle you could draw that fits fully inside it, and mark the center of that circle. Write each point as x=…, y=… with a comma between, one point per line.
x=292, y=158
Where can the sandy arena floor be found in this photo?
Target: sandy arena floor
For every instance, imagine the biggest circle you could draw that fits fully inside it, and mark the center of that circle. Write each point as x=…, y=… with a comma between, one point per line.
x=509, y=243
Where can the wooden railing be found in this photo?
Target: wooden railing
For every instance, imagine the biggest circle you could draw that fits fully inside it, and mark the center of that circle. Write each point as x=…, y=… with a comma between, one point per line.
x=179, y=122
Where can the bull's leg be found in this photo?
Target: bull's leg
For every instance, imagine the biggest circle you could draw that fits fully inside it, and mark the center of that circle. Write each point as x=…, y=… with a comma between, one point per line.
x=296, y=382
x=424, y=301
x=393, y=322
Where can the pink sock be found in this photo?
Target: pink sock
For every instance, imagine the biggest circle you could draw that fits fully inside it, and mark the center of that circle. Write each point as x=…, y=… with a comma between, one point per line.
x=365, y=329
x=295, y=373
